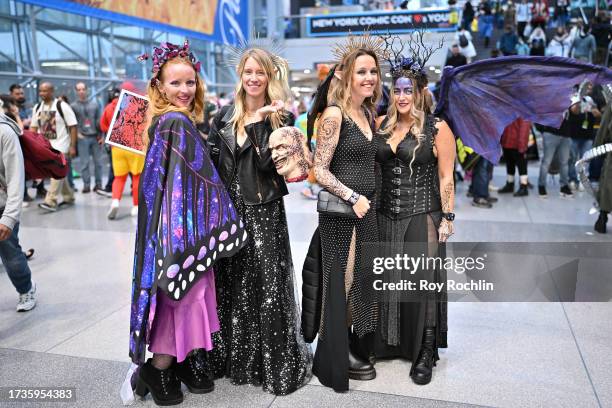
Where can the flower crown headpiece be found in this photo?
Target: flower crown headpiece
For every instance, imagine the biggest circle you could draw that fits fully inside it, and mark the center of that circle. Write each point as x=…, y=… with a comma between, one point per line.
x=167, y=51
x=412, y=66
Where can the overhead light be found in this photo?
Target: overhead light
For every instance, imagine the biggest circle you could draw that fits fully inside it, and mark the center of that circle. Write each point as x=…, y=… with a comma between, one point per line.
x=307, y=71
x=437, y=71
x=432, y=68
x=388, y=75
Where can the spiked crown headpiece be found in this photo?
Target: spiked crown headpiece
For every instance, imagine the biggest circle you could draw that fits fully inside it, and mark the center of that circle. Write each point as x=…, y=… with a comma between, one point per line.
x=412, y=65
x=373, y=44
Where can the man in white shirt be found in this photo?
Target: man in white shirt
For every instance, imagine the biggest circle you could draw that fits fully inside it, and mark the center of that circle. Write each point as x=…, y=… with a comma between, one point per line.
x=55, y=119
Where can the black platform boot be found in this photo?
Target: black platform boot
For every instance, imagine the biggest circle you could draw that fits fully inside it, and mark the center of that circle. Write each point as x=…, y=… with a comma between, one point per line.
x=423, y=369
x=192, y=372
x=600, y=224
x=164, y=385
x=359, y=368
x=508, y=188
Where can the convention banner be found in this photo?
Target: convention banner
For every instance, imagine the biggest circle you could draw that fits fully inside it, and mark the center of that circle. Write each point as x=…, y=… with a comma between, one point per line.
x=393, y=22
x=222, y=21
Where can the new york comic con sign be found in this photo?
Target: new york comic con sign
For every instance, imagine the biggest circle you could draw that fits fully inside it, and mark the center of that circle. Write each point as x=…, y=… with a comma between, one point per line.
x=392, y=22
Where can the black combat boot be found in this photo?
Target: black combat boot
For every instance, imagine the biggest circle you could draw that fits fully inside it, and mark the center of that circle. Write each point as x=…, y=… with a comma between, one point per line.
x=359, y=368
x=423, y=369
x=192, y=372
x=164, y=385
x=508, y=188
x=600, y=224
x=522, y=191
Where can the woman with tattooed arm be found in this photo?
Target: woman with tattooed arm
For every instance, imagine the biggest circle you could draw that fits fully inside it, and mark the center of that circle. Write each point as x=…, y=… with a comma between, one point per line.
x=416, y=152
x=344, y=166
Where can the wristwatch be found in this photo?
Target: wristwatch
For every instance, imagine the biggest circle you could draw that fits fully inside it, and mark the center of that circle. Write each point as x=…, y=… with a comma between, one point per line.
x=353, y=198
x=448, y=216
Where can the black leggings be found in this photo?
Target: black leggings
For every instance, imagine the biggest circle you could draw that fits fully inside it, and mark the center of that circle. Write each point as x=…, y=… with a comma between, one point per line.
x=515, y=159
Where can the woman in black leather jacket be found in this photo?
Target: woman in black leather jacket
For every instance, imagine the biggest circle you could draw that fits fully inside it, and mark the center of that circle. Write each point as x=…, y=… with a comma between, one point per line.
x=260, y=341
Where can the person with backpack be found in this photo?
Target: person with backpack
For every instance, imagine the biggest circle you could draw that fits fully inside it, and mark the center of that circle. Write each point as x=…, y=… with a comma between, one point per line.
x=466, y=46
x=55, y=119
x=11, y=197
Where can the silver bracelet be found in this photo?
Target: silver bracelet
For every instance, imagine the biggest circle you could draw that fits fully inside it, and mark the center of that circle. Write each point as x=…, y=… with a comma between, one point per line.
x=354, y=198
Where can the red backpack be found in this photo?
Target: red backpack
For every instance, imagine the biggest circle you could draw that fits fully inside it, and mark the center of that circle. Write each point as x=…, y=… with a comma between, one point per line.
x=40, y=159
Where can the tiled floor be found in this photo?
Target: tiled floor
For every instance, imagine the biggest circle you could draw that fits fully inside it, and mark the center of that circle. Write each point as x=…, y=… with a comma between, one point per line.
x=500, y=354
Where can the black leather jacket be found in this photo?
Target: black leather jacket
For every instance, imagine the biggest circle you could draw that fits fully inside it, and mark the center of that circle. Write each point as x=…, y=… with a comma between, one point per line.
x=259, y=181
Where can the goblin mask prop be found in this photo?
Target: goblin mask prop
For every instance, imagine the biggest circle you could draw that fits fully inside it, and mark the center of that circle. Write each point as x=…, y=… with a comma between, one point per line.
x=290, y=154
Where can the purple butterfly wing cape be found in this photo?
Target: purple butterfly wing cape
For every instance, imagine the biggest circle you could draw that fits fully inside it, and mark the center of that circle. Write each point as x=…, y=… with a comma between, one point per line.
x=479, y=100
x=186, y=221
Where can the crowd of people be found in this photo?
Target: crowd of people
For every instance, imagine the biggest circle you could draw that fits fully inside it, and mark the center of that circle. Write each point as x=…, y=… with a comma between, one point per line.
x=529, y=28
x=525, y=27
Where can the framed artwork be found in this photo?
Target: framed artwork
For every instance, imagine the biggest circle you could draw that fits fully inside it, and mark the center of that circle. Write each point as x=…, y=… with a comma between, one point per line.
x=129, y=121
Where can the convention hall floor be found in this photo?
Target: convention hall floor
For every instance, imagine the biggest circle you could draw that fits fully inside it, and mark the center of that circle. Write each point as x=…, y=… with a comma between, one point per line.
x=499, y=355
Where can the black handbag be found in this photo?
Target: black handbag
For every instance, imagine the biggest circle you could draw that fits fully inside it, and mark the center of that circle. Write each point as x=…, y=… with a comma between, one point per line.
x=333, y=205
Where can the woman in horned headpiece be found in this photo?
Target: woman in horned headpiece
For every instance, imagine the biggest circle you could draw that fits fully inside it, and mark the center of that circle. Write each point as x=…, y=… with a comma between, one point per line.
x=345, y=106
x=260, y=342
x=186, y=222
x=416, y=153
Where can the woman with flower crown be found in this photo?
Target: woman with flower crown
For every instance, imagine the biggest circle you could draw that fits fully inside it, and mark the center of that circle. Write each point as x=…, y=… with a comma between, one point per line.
x=260, y=342
x=186, y=222
x=416, y=153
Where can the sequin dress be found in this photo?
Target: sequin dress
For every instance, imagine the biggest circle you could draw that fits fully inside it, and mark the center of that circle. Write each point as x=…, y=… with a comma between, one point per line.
x=260, y=341
x=345, y=289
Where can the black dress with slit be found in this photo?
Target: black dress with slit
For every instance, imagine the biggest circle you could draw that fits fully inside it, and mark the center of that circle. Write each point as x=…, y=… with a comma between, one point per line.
x=409, y=215
x=345, y=294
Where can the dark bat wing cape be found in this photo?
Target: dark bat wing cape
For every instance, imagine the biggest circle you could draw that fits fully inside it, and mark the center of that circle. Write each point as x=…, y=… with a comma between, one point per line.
x=479, y=100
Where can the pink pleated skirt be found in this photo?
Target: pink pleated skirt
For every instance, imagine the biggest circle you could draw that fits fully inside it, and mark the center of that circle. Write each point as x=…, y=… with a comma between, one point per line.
x=182, y=326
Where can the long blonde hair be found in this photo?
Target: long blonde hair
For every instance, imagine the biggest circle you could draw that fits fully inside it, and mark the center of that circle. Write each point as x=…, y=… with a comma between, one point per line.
x=340, y=88
x=418, y=111
x=276, y=89
x=159, y=104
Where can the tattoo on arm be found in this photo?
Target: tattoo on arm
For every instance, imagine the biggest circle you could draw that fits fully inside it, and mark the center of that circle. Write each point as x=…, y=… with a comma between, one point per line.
x=328, y=135
x=448, y=195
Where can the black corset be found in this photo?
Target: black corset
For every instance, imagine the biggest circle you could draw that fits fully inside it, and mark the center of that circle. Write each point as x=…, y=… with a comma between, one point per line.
x=405, y=193
x=410, y=183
